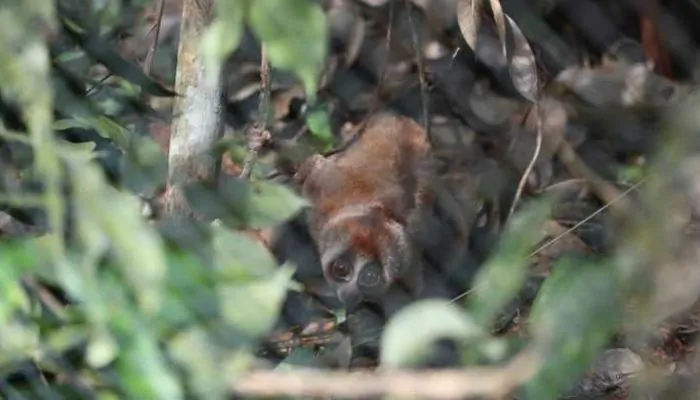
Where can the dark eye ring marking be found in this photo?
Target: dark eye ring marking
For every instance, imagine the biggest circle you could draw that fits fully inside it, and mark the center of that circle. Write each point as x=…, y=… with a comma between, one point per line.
x=341, y=270
x=370, y=276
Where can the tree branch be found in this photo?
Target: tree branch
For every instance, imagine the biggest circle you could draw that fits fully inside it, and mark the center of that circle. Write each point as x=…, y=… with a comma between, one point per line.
x=199, y=112
x=259, y=135
x=446, y=384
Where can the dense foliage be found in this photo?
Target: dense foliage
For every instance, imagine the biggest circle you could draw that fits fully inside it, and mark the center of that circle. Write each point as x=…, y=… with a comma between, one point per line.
x=96, y=301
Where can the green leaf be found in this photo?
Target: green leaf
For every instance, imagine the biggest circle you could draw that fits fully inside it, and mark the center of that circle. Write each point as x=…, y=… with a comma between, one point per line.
x=70, y=55
x=411, y=332
x=70, y=101
x=84, y=151
x=272, y=204
x=241, y=204
x=223, y=35
x=16, y=259
x=63, y=273
x=19, y=255
x=107, y=395
x=196, y=352
x=186, y=305
x=19, y=340
x=107, y=128
x=99, y=49
x=629, y=174
x=70, y=123
x=108, y=13
x=145, y=167
x=500, y=279
x=240, y=257
x=237, y=363
x=253, y=307
x=296, y=35
x=66, y=337
x=142, y=367
x=189, y=291
x=572, y=318
x=137, y=247
x=101, y=350
x=44, y=10
x=12, y=296
x=320, y=126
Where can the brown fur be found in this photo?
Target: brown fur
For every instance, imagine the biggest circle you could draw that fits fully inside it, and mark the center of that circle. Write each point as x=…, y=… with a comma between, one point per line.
x=381, y=167
x=367, y=198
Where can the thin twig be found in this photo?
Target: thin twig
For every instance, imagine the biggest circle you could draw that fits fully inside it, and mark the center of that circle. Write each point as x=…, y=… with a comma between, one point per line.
x=417, y=50
x=385, y=62
x=447, y=384
x=588, y=218
x=148, y=63
x=568, y=231
x=259, y=134
x=604, y=190
x=97, y=84
x=264, y=104
x=538, y=147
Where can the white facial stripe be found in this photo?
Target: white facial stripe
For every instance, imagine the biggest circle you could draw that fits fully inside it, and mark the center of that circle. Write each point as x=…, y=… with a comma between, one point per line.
x=351, y=211
x=361, y=259
x=334, y=252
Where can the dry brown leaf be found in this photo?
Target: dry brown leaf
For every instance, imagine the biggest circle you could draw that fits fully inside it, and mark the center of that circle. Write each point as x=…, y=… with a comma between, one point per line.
x=498, y=16
x=469, y=20
x=554, y=122
x=521, y=63
x=617, y=83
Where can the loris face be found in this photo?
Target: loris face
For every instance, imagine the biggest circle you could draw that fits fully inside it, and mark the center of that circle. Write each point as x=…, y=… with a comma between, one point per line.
x=364, y=254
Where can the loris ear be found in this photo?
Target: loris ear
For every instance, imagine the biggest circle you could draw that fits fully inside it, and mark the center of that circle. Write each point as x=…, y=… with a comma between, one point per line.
x=401, y=262
x=307, y=167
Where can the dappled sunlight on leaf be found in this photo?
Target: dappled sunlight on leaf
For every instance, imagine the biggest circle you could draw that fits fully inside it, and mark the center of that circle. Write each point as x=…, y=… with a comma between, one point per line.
x=238, y=257
x=138, y=248
x=411, y=333
x=241, y=204
x=253, y=306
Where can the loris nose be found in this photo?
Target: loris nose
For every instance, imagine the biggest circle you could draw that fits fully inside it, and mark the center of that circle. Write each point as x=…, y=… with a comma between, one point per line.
x=349, y=296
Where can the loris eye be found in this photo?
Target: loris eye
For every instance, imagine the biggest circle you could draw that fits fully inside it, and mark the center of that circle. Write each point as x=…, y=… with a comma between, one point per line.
x=341, y=270
x=371, y=275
